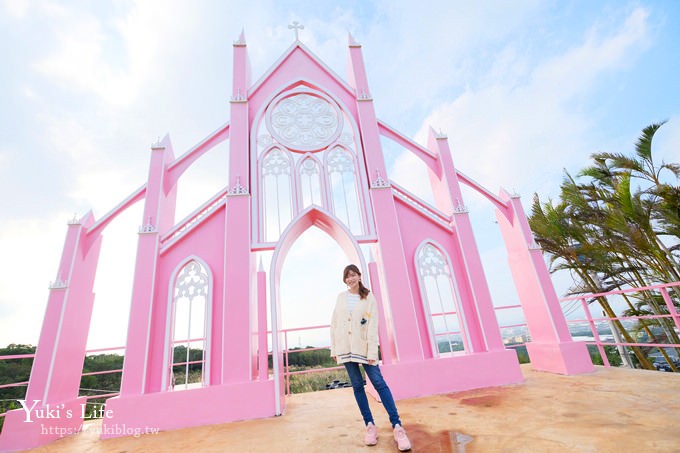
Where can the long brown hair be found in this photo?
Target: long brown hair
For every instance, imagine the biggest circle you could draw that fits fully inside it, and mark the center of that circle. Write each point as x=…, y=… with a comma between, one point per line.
x=363, y=291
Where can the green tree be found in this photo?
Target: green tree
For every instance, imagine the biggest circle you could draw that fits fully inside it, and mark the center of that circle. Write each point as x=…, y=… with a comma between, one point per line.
x=615, y=227
x=14, y=371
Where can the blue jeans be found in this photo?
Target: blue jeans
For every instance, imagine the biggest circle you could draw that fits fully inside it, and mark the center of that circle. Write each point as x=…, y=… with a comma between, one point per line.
x=373, y=373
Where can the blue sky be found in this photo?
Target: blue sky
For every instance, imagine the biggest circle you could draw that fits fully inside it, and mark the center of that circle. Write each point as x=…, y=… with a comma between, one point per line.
x=523, y=89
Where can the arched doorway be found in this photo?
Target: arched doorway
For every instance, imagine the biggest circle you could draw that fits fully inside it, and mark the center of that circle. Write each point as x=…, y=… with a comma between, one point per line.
x=343, y=238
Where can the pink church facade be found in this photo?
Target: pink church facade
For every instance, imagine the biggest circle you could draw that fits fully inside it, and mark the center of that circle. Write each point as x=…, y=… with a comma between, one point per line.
x=305, y=151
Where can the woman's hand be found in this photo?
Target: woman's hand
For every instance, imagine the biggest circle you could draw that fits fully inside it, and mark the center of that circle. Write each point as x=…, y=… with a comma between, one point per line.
x=372, y=362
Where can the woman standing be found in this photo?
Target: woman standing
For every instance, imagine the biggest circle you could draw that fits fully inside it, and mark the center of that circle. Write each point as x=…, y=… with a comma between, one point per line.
x=354, y=341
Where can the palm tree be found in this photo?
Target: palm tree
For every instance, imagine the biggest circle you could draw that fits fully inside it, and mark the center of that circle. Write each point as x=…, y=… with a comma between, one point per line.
x=609, y=235
x=661, y=200
x=566, y=239
x=635, y=215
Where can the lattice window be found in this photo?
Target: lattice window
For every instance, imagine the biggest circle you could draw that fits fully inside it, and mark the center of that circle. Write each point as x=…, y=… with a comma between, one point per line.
x=277, y=193
x=437, y=287
x=310, y=183
x=307, y=155
x=343, y=182
x=190, y=321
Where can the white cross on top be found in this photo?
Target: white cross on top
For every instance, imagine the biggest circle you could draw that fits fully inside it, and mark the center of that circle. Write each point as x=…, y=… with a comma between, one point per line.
x=296, y=26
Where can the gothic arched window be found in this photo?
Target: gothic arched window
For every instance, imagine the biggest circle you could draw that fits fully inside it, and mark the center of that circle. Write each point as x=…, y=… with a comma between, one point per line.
x=310, y=183
x=343, y=188
x=439, y=297
x=190, y=320
x=308, y=154
x=277, y=193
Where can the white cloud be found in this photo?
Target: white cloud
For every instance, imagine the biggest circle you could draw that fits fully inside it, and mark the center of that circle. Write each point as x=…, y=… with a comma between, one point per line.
x=416, y=54
x=109, y=57
x=30, y=249
x=412, y=174
x=520, y=133
x=4, y=160
x=520, y=124
x=24, y=292
x=16, y=8
x=576, y=70
x=97, y=179
x=113, y=282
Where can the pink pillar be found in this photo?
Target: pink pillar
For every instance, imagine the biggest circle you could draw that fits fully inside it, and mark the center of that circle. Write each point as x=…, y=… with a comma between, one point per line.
x=136, y=378
x=236, y=321
x=385, y=333
x=262, y=344
x=551, y=347
x=479, y=313
x=55, y=378
x=391, y=252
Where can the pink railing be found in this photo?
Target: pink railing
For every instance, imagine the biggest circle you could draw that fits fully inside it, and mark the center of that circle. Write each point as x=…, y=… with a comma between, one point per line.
x=514, y=345
x=15, y=384
x=592, y=321
x=589, y=320
x=92, y=373
x=286, y=355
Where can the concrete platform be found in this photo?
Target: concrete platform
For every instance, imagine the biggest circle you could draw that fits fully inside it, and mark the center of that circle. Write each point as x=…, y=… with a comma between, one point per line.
x=610, y=410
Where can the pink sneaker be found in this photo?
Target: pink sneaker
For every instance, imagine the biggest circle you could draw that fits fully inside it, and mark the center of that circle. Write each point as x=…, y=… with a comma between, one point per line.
x=371, y=437
x=402, y=439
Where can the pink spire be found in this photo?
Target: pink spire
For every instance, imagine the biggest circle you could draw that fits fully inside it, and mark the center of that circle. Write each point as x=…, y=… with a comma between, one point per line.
x=241, y=38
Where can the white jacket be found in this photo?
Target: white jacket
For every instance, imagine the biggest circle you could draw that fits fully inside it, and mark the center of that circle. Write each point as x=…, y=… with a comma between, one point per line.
x=352, y=340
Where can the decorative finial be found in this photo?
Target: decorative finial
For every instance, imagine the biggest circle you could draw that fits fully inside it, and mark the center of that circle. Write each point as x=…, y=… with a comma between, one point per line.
x=157, y=144
x=148, y=228
x=534, y=245
x=238, y=189
x=459, y=207
x=296, y=26
x=238, y=97
x=363, y=95
x=59, y=283
x=352, y=41
x=379, y=182
x=241, y=41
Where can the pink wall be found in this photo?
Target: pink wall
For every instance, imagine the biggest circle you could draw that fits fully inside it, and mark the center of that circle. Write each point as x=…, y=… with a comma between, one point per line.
x=298, y=65
x=205, y=242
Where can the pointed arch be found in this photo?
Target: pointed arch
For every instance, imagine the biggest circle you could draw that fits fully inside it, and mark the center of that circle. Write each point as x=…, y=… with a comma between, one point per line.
x=311, y=184
x=332, y=226
x=276, y=180
x=198, y=283
x=346, y=135
x=440, y=297
x=342, y=173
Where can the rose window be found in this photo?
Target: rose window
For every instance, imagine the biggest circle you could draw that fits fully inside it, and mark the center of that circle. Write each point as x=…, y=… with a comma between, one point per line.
x=304, y=122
